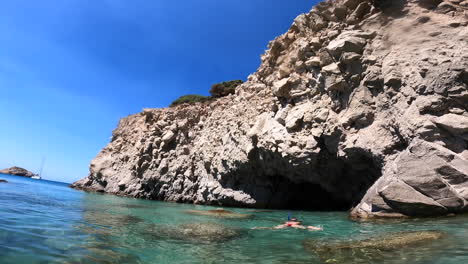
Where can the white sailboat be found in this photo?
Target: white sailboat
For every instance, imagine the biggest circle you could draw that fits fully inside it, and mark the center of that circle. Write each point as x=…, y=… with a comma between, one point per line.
x=39, y=176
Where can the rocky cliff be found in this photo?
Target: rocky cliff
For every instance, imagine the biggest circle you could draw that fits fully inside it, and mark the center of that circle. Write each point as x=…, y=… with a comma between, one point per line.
x=361, y=104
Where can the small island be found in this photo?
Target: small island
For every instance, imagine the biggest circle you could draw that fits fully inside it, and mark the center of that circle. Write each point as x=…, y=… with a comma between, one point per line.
x=17, y=171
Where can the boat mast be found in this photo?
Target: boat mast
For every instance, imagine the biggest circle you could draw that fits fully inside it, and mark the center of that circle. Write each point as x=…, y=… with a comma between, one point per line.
x=42, y=166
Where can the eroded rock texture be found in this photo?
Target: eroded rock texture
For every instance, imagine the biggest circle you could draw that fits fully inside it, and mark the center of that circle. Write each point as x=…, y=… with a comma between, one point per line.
x=360, y=104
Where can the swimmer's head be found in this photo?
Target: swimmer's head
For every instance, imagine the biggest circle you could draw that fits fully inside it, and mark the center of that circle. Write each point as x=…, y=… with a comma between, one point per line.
x=294, y=219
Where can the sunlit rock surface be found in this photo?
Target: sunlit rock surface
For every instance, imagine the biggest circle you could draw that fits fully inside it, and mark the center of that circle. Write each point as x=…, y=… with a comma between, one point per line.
x=361, y=104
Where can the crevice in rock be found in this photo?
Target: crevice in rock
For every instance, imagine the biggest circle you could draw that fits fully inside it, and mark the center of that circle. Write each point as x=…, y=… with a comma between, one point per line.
x=402, y=142
x=429, y=4
x=392, y=8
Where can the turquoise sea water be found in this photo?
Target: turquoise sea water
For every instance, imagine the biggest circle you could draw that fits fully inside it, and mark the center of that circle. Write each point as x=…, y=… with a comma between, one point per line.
x=47, y=222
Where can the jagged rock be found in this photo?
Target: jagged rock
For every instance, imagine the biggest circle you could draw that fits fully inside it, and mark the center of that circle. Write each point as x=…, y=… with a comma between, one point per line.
x=315, y=43
x=349, y=57
x=283, y=87
x=359, y=104
x=426, y=179
x=373, y=78
x=313, y=62
x=405, y=199
x=456, y=124
x=325, y=58
x=294, y=117
x=168, y=137
x=362, y=9
x=392, y=79
x=346, y=42
x=17, y=171
x=351, y=4
x=445, y=7
x=334, y=80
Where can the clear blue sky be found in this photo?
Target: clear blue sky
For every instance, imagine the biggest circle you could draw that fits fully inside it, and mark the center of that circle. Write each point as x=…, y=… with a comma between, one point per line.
x=70, y=69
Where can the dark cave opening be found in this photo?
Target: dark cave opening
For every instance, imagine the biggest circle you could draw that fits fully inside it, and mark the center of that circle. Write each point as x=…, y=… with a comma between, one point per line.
x=287, y=194
x=331, y=183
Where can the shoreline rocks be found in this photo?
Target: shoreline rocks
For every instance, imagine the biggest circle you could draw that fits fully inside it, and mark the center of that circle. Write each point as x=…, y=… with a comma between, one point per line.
x=17, y=171
x=360, y=104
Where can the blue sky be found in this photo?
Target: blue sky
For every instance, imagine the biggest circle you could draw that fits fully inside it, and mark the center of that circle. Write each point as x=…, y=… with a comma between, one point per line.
x=69, y=69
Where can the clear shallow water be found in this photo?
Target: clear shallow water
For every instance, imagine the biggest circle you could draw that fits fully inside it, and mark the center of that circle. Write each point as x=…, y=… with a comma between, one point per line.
x=47, y=222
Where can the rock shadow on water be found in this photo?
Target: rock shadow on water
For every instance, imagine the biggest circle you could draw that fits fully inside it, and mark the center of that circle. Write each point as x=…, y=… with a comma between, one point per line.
x=193, y=232
x=373, y=249
x=219, y=212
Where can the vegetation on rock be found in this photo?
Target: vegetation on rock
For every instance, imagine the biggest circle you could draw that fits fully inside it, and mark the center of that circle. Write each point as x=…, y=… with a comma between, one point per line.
x=217, y=90
x=224, y=88
x=191, y=99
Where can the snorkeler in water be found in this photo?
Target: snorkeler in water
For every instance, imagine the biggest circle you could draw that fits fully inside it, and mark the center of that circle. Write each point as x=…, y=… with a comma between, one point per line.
x=293, y=223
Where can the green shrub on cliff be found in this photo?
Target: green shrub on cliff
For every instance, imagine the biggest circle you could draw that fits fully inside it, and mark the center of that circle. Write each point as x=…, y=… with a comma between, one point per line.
x=191, y=99
x=224, y=88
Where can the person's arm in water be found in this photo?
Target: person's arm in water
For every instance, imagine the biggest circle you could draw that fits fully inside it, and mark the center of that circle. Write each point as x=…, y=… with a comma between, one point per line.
x=280, y=226
x=298, y=226
x=274, y=227
x=261, y=227
x=314, y=228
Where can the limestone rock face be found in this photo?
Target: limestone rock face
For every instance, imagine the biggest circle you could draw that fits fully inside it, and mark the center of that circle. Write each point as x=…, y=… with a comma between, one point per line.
x=18, y=172
x=424, y=180
x=361, y=104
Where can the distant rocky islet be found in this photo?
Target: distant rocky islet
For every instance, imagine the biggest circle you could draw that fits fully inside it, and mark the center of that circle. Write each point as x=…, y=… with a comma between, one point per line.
x=18, y=171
